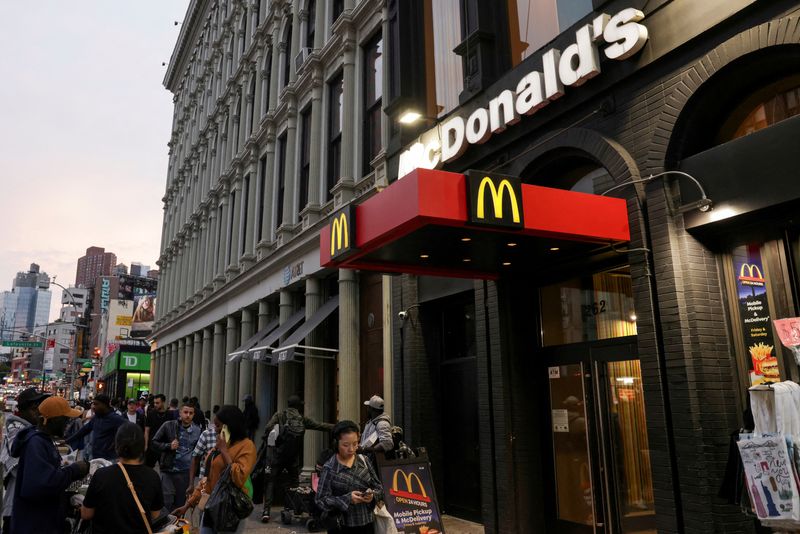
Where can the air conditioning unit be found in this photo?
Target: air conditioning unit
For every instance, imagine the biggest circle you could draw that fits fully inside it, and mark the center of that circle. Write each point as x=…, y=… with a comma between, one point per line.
x=300, y=59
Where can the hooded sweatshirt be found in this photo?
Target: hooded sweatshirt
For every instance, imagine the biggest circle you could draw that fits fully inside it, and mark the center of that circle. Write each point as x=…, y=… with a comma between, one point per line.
x=13, y=425
x=105, y=429
x=39, y=503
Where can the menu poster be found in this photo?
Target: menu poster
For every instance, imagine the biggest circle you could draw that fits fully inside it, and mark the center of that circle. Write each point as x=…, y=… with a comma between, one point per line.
x=754, y=312
x=769, y=478
x=411, y=498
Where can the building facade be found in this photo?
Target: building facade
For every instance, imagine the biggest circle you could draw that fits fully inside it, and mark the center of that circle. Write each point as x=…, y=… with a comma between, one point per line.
x=27, y=304
x=96, y=262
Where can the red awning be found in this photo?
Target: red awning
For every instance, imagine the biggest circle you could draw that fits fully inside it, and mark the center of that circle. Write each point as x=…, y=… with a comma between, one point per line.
x=421, y=225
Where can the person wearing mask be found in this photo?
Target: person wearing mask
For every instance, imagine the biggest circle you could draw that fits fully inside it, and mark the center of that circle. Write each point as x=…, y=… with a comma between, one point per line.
x=133, y=416
x=348, y=483
x=156, y=416
x=27, y=415
x=39, y=504
x=103, y=427
x=109, y=503
x=377, y=435
x=237, y=451
x=250, y=416
x=289, y=443
x=176, y=440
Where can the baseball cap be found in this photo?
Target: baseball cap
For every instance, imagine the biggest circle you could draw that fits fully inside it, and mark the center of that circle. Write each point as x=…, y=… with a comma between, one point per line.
x=374, y=402
x=30, y=396
x=56, y=407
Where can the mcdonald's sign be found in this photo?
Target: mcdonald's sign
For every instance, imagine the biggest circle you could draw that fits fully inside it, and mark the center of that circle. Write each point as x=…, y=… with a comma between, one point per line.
x=408, y=492
x=750, y=274
x=342, y=230
x=495, y=200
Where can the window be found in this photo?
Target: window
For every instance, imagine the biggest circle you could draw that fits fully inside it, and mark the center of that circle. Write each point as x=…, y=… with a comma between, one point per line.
x=443, y=34
x=258, y=13
x=287, y=54
x=335, y=92
x=219, y=232
x=262, y=183
x=570, y=171
x=243, y=224
x=243, y=38
x=373, y=91
x=311, y=23
x=337, y=8
x=281, y=180
x=767, y=106
x=267, y=72
x=253, y=101
x=237, y=124
x=533, y=23
x=231, y=218
x=305, y=155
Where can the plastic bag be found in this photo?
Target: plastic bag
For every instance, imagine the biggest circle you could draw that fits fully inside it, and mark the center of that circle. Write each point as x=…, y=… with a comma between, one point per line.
x=228, y=504
x=384, y=522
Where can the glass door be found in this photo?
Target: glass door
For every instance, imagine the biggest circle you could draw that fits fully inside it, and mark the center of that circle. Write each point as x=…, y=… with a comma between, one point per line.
x=601, y=463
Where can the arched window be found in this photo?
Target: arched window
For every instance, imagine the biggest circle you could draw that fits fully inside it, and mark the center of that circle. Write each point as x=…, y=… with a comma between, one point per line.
x=767, y=106
x=568, y=169
x=267, y=76
x=287, y=54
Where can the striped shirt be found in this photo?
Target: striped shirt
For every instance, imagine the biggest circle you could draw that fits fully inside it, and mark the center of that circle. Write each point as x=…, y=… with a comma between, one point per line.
x=207, y=442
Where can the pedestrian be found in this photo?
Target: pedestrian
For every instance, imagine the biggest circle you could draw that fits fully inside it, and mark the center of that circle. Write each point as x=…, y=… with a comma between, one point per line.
x=109, y=503
x=115, y=406
x=348, y=483
x=250, y=416
x=142, y=406
x=39, y=504
x=176, y=440
x=103, y=427
x=156, y=416
x=377, y=436
x=199, y=418
x=134, y=416
x=288, y=444
x=237, y=451
x=197, y=469
x=27, y=415
x=173, y=410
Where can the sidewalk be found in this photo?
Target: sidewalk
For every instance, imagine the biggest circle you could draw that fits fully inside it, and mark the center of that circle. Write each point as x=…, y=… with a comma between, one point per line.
x=275, y=526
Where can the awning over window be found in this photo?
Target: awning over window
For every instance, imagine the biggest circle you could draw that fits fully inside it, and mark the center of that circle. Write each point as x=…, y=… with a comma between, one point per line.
x=259, y=350
x=288, y=350
x=251, y=342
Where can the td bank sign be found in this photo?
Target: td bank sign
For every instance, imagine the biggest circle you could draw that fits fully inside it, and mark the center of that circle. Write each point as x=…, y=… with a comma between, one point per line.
x=620, y=37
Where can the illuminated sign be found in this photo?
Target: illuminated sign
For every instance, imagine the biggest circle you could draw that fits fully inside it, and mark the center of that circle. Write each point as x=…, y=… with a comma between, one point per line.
x=750, y=275
x=342, y=227
x=408, y=492
x=495, y=200
x=622, y=36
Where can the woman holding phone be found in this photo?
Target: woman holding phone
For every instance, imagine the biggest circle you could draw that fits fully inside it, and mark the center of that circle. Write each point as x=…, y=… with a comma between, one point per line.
x=348, y=483
x=233, y=449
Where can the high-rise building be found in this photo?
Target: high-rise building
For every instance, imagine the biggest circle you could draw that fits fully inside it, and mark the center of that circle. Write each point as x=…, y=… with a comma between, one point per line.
x=26, y=305
x=96, y=262
x=139, y=269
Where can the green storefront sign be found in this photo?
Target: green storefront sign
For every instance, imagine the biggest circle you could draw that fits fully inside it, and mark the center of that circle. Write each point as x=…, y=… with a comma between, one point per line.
x=134, y=361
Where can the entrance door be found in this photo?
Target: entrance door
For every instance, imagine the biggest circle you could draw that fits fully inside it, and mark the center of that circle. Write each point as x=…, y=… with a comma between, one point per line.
x=600, y=472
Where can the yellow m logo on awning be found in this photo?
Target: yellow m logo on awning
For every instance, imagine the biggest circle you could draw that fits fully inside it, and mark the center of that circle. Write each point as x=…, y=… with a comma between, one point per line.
x=340, y=234
x=497, y=199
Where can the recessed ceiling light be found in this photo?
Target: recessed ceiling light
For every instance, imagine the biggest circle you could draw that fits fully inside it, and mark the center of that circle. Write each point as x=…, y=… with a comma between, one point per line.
x=424, y=256
x=553, y=249
x=467, y=260
x=512, y=244
x=466, y=239
x=506, y=263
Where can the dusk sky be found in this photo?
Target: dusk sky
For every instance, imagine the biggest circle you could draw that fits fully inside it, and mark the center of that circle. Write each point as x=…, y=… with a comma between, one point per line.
x=84, y=125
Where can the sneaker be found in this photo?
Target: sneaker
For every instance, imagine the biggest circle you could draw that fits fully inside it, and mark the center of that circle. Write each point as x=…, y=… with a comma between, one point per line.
x=265, y=517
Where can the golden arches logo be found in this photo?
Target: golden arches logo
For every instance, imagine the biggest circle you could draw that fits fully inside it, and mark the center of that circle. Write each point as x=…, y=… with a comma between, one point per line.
x=497, y=199
x=339, y=233
x=753, y=272
x=408, y=492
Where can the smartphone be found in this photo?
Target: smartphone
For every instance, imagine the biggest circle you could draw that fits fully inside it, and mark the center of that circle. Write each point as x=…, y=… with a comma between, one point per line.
x=226, y=434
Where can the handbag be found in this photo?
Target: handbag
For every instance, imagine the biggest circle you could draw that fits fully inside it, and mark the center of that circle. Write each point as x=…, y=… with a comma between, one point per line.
x=228, y=504
x=384, y=522
x=172, y=524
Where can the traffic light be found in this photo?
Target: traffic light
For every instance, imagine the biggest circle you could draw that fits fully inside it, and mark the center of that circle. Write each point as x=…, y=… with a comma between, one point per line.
x=96, y=352
x=100, y=386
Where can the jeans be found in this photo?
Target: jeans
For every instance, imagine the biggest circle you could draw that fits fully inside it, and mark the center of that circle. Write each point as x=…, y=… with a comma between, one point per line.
x=174, y=486
x=275, y=470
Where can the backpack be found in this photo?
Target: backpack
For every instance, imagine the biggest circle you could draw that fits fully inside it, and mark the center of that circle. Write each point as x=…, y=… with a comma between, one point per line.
x=290, y=440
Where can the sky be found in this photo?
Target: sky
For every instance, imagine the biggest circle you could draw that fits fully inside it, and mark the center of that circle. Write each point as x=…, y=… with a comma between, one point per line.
x=84, y=125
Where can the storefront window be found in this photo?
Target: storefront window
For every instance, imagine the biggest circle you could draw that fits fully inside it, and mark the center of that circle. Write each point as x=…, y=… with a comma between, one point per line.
x=768, y=106
x=588, y=308
x=533, y=23
x=442, y=36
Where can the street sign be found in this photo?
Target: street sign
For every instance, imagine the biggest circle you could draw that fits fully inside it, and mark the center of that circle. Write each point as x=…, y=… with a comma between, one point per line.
x=23, y=344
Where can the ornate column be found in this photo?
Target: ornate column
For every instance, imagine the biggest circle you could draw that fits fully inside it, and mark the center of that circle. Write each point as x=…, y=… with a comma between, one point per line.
x=247, y=330
x=290, y=178
x=231, y=395
x=288, y=373
x=188, y=367
x=206, y=369
x=249, y=223
x=180, y=365
x=218, y=365
x=313, y=386
x=266, y=377
x=197, y=361
x=349, y=362
x=236, y=209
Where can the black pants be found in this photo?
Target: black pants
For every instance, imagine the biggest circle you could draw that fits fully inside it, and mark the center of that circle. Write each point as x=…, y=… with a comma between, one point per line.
x=293, y=470
x=151, y=457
